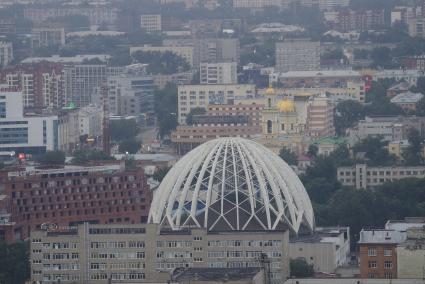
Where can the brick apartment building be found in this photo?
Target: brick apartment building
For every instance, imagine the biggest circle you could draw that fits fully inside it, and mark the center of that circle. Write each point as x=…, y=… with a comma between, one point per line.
x=71, y=195
x=378, y=253
x=41, y=84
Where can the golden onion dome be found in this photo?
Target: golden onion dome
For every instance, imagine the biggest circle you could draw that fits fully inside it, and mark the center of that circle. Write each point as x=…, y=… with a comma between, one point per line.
x=270, y=91
x=286, y=105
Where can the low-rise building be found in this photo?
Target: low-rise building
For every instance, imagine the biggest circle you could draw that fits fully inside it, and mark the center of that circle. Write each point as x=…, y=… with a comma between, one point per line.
x=326, y=249
x=90, y=253
x=409, y=75
x=314, y=79
x=378, y=254
x=390, y=128
x=362, y=176
x=407, y=100
x=398, y=147
x=47, y=37
x=410, y=254
x=398, y=88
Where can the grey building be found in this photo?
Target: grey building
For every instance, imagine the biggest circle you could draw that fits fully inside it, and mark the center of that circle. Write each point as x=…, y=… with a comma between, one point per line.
x=297, y=55
x=143, y=252
x=131, y=93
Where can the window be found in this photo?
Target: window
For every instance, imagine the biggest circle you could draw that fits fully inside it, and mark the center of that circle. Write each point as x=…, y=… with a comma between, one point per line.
x=372, y=264
x=388, y=264
x=388, y=252
x=388, y=275
x=371, y=252
x=371, y=275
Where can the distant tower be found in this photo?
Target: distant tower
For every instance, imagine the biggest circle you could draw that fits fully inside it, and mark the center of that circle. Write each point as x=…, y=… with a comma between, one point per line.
x=105, y=121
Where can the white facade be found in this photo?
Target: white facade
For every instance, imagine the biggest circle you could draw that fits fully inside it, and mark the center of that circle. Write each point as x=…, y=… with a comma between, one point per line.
x=232, y=184
x=326, y=249
x=90, y=121
x=409, y=75
x=200, y=96
x=218, y=73
x=29, y=134
x=6, y=53
x=47, y=36
x=361, y=176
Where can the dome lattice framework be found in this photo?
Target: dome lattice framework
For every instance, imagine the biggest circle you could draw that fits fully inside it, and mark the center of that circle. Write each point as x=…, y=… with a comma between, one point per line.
x=231, y=184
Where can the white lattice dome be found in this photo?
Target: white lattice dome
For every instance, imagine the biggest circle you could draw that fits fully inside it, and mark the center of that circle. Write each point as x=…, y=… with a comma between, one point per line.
x=232, y=184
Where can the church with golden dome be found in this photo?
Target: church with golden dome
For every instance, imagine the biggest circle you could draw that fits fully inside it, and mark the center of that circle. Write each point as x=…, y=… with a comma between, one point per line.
x=293, y=120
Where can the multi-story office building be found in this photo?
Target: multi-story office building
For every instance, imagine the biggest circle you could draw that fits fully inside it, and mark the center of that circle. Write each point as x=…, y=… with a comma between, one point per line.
x=378, y=257
x=90, y=120
x=361, y=176
x=320, y=117
x=186, y=52
x=315, y=79
x=41, y=83
x=416, y=27
x=7, y=26
x=200, y=96
x=360, y=20
x=297, y=55
x=101, y=253
x=47, y=37
x=71, y=195
x=131, y=93
x=236, y=120
x=151, y=23
x=218, y=73
x=25, y=134
x=6, y=53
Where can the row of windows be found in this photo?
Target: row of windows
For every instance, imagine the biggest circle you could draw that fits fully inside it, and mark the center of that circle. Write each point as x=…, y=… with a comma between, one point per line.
x=117, y=231
x=130, y=244
x=61, y=266
x=374, y=252
x=118, y=255
x=117, y=276
x=250, y=243
x=388, y=264
x=117, y=265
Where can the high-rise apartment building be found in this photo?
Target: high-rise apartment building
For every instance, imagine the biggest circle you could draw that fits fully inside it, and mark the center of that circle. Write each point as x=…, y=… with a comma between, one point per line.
x=81, y=82
x=128, y=253
x=218, y=73
x=6, y=53
x=151, y=23
x=297, y=55
x=68, y=196
x=41, y=84
x=320, y=117
x=217, y=50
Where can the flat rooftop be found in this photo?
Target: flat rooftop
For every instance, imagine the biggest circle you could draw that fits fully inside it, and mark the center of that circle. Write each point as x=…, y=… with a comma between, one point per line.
x=70, y=170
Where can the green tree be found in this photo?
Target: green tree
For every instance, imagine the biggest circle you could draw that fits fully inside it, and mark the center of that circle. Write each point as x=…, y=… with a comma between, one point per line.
x=312, y=150
x=123, y=129
x=412, y=156
x=347, y=114
x=375, y=151
x=85, y=156
x=160, y=173
x=299, y=268
x=166, y=109
x=288, y=156
x=420, y=107
x=129, y=145
x=14, y=262
x=161, y=62
x=51, y=158
x=194, y=111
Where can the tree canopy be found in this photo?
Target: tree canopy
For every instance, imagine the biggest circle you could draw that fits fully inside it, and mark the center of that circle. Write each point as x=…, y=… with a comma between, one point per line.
x=161, y=62
x=123, y=129
x=288, y=156
x=194, y=111
x=51, y=158
x=166, y=109
x=14, y=262
x=299, y=268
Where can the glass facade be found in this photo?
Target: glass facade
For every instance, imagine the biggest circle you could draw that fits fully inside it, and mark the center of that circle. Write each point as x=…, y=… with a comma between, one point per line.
x=16, y=135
